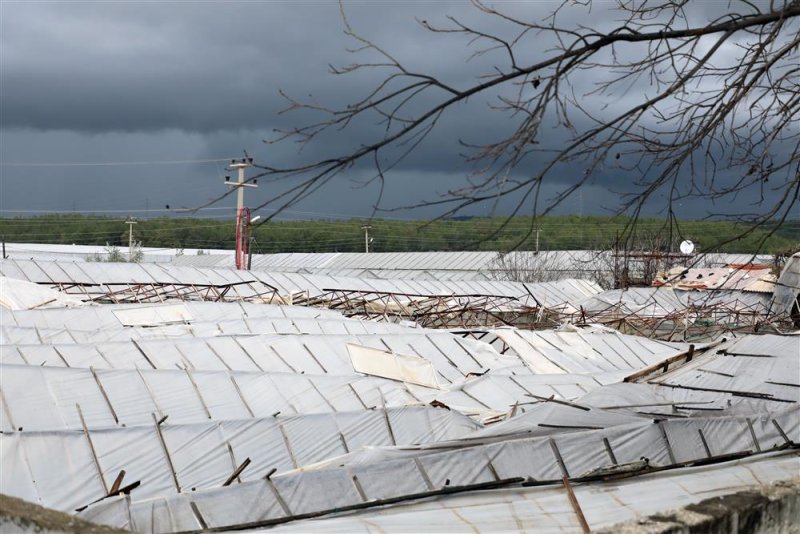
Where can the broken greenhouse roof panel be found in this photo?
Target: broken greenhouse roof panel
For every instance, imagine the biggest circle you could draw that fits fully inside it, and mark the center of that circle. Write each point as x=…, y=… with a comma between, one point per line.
x=23, y=295
x=737, y=277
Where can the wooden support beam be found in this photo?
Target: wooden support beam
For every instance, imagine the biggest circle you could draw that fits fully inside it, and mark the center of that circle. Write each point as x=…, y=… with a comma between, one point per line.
x=705, y=443
x=197, y=515
x=753, y=435
x=91, y=448
x=552, y=398
x=166, y=452
x=105, y=395
x=576, y=507
x=663, y=431
x=663, y=365
x=237, y=472
x=610, y=451
x=117, y=483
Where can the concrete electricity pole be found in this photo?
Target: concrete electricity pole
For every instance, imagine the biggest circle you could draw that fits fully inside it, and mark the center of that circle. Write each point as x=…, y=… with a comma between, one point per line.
x=366, y=229
x=241, y=224
x=130, y=222
x=240, y=165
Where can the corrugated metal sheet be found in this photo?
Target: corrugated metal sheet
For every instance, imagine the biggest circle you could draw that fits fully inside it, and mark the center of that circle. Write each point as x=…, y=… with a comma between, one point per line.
x=728, y=277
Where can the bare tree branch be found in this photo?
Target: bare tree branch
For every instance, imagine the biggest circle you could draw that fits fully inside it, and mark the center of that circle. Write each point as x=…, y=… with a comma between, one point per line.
x=692, y=107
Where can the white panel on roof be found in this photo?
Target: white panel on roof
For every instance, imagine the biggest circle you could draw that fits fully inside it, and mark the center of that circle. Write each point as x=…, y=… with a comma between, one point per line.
x=153, y=315
x=404, y=368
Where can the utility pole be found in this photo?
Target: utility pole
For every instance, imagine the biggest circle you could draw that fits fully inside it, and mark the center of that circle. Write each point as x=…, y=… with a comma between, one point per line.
x=130, y=222
x=241, y=223
x=537, y=239
x=366, y=229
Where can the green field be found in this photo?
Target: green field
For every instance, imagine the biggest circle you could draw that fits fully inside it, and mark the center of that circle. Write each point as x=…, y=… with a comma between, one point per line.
x=555, y=233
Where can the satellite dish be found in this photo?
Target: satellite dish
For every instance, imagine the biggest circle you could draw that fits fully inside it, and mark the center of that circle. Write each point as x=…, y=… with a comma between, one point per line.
x=687, y=247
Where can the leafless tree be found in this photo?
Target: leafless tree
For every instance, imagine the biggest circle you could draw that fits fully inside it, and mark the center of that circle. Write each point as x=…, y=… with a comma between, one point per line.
x=549, y=266
x=694, y=104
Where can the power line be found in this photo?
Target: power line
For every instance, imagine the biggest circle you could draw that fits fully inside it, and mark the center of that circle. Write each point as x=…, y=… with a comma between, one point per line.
x=106, y=163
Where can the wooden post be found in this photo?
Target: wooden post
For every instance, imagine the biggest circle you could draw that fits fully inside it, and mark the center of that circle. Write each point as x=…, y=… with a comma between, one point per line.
x=237, y=472
x=91, y=448
x=166, y=453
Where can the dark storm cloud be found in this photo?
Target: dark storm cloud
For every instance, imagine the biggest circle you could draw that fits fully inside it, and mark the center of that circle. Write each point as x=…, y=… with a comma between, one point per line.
x=194, y=66
x=126, y=67
x=154, y=81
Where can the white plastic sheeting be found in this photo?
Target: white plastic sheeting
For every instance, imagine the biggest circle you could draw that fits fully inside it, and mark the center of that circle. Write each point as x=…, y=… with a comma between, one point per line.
x=756, y=367
x=663, y=301
x=550, y=352
x=442, y=263
x=202, y=455
x=550, y=294
x=73, y=252
x=451, y=356
x=96, y=274
x=89, y=318
x=552, y=418
x=278, y=385
x=541, y=459
x=45, y=398
x=97, y=278
x=12, y=335
x=153, y=315
x=23, y=295
x=547, y=509
x=386, y=364
x=41, y=398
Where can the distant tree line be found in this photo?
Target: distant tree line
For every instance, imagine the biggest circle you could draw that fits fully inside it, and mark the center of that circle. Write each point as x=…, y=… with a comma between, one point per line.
x=569, y=232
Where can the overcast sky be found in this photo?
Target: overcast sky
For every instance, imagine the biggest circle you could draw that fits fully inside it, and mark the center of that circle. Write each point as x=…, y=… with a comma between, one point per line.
x=121, y=107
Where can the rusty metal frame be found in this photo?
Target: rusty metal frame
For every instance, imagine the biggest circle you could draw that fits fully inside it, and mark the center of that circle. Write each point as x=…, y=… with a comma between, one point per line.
x=151, y=292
